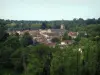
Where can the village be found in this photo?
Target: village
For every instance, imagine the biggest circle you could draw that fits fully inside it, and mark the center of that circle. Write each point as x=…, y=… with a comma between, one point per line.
x=45, y=36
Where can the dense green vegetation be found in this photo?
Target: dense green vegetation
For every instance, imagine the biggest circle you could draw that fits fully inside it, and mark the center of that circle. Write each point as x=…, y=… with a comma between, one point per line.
x=21, y=56
x=69, y=24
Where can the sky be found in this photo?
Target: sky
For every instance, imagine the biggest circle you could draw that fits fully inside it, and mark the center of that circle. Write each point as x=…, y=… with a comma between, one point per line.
x=49, y=9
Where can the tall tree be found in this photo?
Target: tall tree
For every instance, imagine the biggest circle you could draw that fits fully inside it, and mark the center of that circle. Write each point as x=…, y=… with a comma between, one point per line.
x=43, y=26
x=26, y=39
x=2, y=29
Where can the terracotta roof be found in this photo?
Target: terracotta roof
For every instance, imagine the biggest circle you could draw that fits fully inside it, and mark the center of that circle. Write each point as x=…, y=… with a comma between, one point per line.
x=72, y=33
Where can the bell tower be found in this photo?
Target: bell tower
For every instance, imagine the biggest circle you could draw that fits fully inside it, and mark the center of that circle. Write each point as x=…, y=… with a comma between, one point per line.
x=62, y=25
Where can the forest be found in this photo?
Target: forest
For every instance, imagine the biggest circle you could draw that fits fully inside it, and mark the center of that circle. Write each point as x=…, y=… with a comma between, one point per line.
x=29, y=24
x=24, y=56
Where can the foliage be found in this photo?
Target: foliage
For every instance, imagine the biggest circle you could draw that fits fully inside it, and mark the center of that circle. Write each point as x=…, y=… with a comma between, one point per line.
x=66, y=37
x=26, y=39
x=43, y=26
x=2, y=29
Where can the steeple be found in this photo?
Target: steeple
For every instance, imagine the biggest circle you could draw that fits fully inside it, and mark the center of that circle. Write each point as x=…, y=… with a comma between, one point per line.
x=62, y=25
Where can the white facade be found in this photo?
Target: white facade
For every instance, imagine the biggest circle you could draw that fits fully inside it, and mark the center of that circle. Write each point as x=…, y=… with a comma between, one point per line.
x=62, y=26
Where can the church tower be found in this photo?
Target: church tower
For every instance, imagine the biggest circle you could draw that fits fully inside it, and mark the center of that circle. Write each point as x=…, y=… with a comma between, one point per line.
x=62, y=25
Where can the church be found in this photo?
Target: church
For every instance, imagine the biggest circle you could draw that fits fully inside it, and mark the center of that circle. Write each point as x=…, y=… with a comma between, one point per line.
x=54, y=32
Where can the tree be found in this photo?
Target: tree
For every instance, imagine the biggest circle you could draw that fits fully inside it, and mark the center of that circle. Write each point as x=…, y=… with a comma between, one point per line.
x=26, y=40
x=7, y=47
x=39, y=60
x=89, y=56
x=64, y=62
x=43, y=26
x=98, y=59
x=2, y=29
x=19, y=59
x=13, y=42
x=65, y=36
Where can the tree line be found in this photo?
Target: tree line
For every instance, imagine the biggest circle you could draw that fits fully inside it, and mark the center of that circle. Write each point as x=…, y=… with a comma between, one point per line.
x=29, y=24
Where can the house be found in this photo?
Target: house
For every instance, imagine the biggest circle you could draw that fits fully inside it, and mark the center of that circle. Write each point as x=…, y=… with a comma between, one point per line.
x=73, y=34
